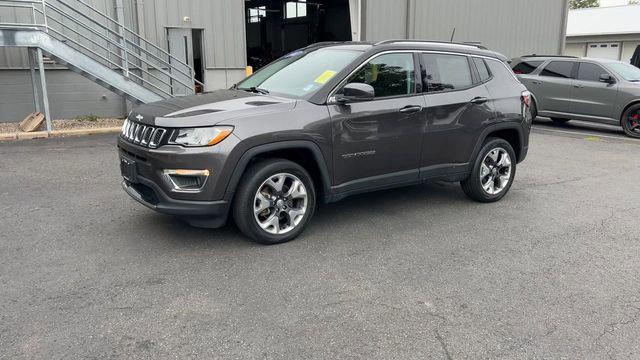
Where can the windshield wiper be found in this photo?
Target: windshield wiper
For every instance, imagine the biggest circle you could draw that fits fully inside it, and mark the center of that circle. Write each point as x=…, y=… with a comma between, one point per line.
x=256, y=90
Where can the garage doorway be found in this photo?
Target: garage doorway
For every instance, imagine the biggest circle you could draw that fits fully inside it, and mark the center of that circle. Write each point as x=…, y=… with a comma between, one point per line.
x=604, y=50
x=276, y=27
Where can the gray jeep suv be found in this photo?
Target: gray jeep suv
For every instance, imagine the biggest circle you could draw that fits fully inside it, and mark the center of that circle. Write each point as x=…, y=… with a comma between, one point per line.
x=324, y=123
x=597, y=90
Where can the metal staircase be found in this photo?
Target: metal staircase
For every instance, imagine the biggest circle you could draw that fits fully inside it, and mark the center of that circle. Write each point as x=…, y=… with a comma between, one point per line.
x=84, y=39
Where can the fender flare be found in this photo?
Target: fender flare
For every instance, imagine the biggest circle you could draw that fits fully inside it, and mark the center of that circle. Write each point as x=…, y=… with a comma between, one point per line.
x=627, y=106
x=248, y=155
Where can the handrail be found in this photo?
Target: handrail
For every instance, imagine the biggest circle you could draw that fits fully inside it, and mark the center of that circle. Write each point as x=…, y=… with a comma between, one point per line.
x=132, y=51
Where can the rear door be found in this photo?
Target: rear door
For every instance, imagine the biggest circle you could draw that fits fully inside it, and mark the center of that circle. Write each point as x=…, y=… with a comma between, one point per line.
x=458, y=107
x=591, y=97
x=553, y=86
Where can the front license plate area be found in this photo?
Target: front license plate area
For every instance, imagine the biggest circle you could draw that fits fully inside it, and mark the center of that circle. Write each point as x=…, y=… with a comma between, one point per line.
x=128, y=170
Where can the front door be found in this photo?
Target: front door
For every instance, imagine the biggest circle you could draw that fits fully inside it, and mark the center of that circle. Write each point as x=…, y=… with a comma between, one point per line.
x=181, y=50
x=592, y=97
x=377, y=142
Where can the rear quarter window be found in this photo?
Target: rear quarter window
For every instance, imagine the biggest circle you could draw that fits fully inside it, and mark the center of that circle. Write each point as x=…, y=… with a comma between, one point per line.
x=527, y=66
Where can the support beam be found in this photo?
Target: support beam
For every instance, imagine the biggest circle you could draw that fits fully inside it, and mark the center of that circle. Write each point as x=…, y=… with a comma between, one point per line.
x=45, y=94
x=34, y=81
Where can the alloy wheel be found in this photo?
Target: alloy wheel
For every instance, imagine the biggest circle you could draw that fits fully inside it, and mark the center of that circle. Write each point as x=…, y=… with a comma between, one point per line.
x=280, y=203
x=633, y=122
x=495, y=171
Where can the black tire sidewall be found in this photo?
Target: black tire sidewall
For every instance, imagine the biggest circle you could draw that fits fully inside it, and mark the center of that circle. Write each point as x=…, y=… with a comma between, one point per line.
x=243, y=204
x=625, y=121
x=473, y=187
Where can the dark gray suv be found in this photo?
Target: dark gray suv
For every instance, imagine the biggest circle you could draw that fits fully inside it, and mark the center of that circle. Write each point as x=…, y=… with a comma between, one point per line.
x=596, y=90
x=324, y=123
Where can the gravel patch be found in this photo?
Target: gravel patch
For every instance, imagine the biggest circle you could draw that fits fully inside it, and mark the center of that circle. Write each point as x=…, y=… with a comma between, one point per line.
x=68, y=124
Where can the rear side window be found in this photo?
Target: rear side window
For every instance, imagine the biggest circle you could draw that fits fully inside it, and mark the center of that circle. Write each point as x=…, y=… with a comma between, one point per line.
x=561, y=69
x=526, y=66
x=483, y=71
x=590, y=72
x=445, y=72
x=390, y=75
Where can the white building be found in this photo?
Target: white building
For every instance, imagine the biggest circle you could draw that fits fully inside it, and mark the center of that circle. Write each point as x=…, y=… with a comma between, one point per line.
x=611, y=32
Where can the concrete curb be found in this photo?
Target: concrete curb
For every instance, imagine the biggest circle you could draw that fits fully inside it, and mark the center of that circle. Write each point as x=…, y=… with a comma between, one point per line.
x=57, y=133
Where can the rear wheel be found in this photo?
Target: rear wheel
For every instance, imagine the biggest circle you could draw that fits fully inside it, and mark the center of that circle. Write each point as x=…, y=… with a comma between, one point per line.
x=631, y=121
x=493, y=172
x=559, y=121
x=274, y=201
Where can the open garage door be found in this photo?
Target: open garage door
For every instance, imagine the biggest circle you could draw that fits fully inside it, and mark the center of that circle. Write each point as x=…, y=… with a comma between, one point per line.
x=276, y=27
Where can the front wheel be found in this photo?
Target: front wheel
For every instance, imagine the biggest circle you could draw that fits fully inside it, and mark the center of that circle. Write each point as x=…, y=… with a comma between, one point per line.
x=274, y=201
x=631, y=121
x=493, y=172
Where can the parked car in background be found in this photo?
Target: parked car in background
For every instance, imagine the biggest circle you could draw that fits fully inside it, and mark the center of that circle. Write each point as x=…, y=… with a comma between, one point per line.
x=324, y=123
x=596, y=90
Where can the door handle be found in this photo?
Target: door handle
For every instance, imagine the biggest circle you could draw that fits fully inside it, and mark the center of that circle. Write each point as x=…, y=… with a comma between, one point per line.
x=410, y=109
x=537, y=82
x=578, y=86
x=479, y=100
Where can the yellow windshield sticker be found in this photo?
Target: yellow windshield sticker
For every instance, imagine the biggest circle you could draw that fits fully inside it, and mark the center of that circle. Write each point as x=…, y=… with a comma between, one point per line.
x=325, y=76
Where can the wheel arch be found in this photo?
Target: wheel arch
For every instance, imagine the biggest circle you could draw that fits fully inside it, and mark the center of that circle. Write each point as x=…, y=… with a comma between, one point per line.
x=624, y=110
x=303, y=152
x=511, y=132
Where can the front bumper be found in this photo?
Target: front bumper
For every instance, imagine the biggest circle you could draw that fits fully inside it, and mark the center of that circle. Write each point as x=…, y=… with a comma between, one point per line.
x=152, y=189
x=208, y=214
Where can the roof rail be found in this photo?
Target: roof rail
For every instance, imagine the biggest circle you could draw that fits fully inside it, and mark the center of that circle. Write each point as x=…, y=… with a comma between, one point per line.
x=551, y=56
x=329, y=43
x=391, y=41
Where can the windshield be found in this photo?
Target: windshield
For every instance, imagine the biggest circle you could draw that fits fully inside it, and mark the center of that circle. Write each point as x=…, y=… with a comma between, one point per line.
x=299, y=77
x=626, y=71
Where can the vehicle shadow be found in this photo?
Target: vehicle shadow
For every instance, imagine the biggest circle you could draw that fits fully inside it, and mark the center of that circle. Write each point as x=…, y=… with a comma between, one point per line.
x=580, y=126
x=350, y=213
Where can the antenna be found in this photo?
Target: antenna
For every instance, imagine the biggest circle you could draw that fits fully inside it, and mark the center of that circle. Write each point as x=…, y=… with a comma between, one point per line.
x=453, y=34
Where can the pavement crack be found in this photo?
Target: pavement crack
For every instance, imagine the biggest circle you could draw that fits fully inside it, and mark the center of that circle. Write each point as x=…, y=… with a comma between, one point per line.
x=443, y=344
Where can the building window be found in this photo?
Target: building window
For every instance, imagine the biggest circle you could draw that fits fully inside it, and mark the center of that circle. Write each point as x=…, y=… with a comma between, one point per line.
x=295, y=9
x=256, y=14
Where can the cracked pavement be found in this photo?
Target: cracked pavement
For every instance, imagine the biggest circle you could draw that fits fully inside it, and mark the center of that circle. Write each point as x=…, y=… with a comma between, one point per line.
x=552, y=271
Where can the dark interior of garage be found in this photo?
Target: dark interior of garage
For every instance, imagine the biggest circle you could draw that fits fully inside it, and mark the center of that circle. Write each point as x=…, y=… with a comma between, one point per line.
x=276, y=27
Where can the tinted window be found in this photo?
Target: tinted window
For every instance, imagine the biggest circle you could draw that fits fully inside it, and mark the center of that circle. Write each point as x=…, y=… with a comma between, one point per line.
x=483, y=71
x=560, y=69
x=527, y=66
x=445, y=72
x=590, y=72
x=390, y=75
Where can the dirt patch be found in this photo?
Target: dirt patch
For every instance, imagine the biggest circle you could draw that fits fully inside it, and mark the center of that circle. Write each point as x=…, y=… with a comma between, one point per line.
x=73, y=124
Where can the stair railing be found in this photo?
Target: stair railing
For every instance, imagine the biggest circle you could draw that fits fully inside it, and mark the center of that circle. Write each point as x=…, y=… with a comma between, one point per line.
x=108, y=41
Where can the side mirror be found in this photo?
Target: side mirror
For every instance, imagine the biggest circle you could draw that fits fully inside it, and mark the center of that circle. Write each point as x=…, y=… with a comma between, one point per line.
x=355, y=92
x=606, y=78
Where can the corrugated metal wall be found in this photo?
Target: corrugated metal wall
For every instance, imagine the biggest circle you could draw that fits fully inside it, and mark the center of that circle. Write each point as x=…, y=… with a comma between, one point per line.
x=512, y=27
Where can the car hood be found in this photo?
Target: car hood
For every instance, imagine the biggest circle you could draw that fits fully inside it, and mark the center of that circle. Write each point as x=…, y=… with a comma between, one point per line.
x=208, y=109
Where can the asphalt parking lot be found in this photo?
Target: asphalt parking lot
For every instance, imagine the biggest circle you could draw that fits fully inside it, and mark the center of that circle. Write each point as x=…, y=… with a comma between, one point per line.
x=552, y=271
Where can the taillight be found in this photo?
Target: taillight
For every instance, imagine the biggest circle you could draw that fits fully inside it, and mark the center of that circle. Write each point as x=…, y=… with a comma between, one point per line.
x=518, y=72
x=526, y=98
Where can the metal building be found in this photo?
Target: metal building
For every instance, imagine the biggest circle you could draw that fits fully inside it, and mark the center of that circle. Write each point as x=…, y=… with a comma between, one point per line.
x=170, y=47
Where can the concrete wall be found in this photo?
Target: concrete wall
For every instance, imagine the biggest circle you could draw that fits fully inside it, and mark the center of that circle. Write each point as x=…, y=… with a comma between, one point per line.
x=512, y=27
x=70, y=95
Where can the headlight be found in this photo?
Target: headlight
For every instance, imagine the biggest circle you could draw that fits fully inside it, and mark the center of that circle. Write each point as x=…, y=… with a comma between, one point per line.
x=205, y=136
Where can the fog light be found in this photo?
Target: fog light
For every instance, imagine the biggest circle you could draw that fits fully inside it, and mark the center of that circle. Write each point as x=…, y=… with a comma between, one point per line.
x=187, y=180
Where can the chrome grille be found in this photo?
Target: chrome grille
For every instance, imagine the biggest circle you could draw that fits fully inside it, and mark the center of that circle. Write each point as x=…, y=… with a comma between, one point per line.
x=143, y=135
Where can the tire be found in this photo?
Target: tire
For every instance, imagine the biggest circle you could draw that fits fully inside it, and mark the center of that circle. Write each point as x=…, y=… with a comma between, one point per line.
x=631, y=121
x=473, y=186
x=559, y=121
x=272, y=208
